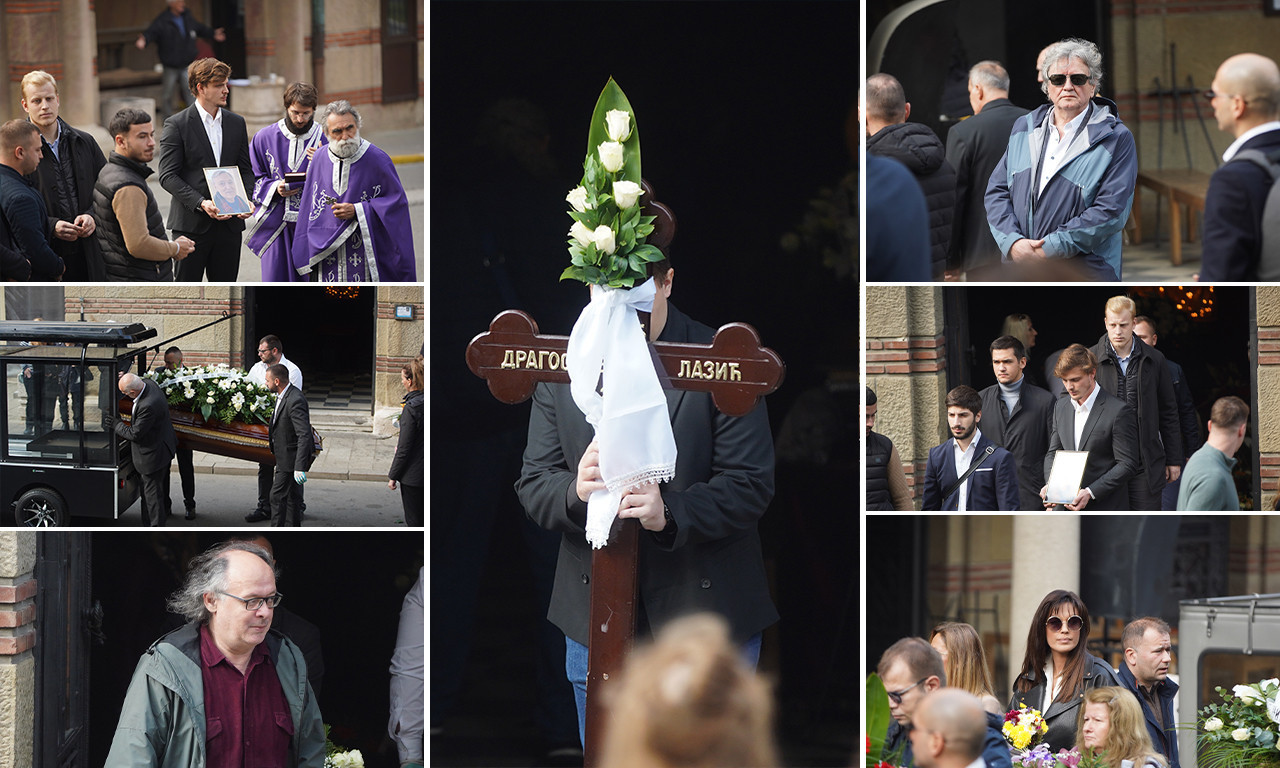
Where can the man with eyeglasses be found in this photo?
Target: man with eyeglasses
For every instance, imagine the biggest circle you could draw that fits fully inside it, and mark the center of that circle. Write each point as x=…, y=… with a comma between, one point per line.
x=910, y=670
x=1246, y=102
x=225, y=689
x=1065, y=185
x=270, y=352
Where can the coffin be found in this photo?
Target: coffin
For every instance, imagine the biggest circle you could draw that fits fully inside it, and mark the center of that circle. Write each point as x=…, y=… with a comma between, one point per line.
x=237, y=440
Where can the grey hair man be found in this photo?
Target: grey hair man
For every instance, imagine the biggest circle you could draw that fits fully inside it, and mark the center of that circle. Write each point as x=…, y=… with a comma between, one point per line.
x=950, y=728
x=201, y=693
x=154, y=443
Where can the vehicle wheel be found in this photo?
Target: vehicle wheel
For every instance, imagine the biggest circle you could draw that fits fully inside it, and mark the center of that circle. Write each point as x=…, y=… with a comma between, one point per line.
x=41, y=508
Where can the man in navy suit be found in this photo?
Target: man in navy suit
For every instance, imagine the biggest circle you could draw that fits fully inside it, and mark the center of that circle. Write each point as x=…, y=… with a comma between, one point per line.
x=1246, y=102
x=992, y=486
x=202, y=136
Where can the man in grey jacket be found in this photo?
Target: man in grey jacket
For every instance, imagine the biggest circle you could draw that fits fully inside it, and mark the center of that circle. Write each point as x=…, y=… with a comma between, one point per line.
x=202, y=692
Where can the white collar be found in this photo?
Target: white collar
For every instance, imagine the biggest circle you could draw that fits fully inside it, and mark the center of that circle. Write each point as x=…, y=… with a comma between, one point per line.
x=973, y=443
x=1088, y=401
x=1274, y=125
x=1073, y=123
x=205, y=116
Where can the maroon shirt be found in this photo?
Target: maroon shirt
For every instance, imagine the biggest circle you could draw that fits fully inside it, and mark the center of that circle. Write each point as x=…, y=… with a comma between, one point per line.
x=247, y=718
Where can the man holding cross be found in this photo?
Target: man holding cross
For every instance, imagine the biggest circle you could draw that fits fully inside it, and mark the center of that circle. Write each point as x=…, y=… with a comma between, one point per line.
x=699, y=549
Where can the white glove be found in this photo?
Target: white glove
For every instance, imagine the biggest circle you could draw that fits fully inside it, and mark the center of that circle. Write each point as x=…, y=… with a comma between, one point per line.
x=299, y=477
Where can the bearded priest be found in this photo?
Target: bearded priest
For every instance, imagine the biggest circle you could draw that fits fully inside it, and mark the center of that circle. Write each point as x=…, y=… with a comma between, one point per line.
x=353, y=219
x=284, y=147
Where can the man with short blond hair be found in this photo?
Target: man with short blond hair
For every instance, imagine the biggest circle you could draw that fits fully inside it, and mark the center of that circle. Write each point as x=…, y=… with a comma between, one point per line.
x=1208, y=484
x=24, y=220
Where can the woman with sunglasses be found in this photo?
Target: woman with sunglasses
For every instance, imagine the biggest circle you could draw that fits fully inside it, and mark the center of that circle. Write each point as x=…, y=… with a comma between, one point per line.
x=966, y=664
x=1111, y=727
x=1057, y=670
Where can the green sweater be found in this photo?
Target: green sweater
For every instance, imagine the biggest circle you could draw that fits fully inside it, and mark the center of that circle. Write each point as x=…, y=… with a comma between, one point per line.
x=1207, y=485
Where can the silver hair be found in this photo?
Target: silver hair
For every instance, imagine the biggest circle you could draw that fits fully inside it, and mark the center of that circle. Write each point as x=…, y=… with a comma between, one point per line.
x=133, y=384
x=339, y=107
x=1073, y=48
x=990, y=74
x=207, y=574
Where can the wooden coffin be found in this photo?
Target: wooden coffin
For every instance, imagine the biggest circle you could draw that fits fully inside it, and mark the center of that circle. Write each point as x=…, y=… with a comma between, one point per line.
x=237, y=440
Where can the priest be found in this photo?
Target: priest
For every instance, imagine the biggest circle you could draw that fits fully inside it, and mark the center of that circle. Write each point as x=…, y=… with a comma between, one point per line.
x=353, y=219
x=284, y=147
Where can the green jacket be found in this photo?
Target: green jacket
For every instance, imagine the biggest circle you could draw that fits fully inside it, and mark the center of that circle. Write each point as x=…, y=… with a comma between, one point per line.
x=162, y=722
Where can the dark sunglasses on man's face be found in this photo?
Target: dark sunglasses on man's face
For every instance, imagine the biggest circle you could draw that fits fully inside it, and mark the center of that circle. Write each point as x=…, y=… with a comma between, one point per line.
x=1074, y=623
x=1076, y=80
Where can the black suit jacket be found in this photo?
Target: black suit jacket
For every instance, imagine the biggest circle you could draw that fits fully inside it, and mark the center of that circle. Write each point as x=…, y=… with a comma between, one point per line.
x=1232, y=234
x=1110, y=436
x=723, y=484
x=1159, y=431
x=1024, y=433
x=150, y=430
x=184, y=154
x=290, y=435
x=86, y=160
x=974, y=148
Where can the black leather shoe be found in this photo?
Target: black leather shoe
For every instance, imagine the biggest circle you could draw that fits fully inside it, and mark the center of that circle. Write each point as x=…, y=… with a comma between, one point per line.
x=191, y=514
x=256, y=516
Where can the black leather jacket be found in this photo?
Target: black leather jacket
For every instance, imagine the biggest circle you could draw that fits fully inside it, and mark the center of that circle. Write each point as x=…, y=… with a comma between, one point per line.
x=1061, y=718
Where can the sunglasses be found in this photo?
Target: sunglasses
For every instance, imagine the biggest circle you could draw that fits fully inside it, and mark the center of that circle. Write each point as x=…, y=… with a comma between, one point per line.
x=1076, y=80
x=896, y=696
x=1074, y=623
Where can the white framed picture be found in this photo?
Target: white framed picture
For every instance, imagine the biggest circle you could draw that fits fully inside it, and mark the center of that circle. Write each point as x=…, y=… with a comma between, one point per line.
x=226, y=189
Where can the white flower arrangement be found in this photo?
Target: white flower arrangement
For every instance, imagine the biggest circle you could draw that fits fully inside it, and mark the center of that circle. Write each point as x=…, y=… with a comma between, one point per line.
x=348, y=759
x=217, y=392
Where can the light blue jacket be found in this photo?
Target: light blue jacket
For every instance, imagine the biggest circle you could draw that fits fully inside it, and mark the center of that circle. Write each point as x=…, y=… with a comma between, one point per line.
x=1082, y=210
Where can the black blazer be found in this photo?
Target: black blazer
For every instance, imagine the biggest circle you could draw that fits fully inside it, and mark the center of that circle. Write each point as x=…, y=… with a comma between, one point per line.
x=1159, y=430
x=407, y=467
x=1110, y=436
x=184, y=154
x=1232, y=233
x=290, y=435
x=1060, y=717
x=150, y=430
x=723, y=484
x=974, y=148
x=1024, y=433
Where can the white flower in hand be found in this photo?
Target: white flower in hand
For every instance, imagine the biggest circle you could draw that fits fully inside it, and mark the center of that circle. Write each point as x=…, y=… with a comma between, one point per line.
x=626, y=193
x=618, y=124
x=582, y=234
x=1213, y=724
x=577, y=199
x=603, y=237
x=1240, y=734
x=611, y=156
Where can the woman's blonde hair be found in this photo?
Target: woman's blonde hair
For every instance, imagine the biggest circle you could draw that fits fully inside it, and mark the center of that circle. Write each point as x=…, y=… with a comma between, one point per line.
x=1018, y=325
x=1127, y=737
x=690, y=700
x=966, y=662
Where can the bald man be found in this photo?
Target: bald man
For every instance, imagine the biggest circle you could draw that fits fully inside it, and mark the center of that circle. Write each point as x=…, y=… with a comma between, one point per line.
x=1246, y=103
x=150, y=430
x=950, y=728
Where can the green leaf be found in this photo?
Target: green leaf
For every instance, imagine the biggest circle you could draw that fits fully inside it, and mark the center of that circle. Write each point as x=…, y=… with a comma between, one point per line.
x=612, y=97
x=648, y=253
x=205, y=410
x=571, y=273
x=878, y=717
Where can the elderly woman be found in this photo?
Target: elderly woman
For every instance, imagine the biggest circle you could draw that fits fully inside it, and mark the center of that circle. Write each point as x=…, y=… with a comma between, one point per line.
x=1112, y=728
x=406, y=467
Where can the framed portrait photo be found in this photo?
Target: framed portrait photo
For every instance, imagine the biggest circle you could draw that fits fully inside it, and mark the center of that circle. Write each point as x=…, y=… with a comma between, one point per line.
x=226, y=189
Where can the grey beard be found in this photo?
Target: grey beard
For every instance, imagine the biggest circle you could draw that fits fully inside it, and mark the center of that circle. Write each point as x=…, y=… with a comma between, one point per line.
x=345, y=148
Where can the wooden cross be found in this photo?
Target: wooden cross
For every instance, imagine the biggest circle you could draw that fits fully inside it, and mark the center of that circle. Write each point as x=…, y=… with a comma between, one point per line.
x=512, y=357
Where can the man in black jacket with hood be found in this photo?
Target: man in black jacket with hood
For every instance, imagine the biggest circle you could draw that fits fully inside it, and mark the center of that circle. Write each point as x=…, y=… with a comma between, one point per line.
x=917, y=147
x=1138, y=375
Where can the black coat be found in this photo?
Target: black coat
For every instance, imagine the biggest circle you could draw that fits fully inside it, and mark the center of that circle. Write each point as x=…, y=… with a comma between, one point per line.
x=974, y=149
x=176, y=49
x=24, y=230
x=290, y=435
x=150, y=430
x=184, y=154
x=1110, y=436
x=722, y=485
x=917, y=147
x=1060, y=717
x=407, y=467
x=1159, y=436
x=1188, y=418
x=86, y=160
x=1232, y=233
x=1024, y=433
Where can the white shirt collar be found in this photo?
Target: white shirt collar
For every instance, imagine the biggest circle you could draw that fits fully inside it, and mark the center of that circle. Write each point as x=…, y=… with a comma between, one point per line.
x=205, y=116
x=978, y=763
x=1088, y=401
x=1074, y=123
x=1274, y=125
x=973, y=444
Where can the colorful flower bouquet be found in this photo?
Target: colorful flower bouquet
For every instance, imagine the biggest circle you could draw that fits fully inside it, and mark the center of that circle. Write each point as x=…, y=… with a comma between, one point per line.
x=1023, y=728
x=1039, y=756
x=216, y=392
x=1242, y=730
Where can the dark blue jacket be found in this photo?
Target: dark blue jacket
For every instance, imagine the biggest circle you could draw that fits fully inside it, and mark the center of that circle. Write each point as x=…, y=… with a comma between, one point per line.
x=1232, y=233
x=993, y=487
x=897, y=224
x=24, y=225
x=995, y=750
x=1165, y=741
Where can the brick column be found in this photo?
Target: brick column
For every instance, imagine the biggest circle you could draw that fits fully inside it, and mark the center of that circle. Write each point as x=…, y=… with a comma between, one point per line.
x=31, y=27
x=1268, y=395
x=17, y=637
x=397, y=342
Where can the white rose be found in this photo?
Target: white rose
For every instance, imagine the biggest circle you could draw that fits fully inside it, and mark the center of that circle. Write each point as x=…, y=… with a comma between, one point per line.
x=603, y=237
x=581, y=233
x=577, y=198
x=1240, y=734
x=611, y=156
x=210, y=398
x=626, y=193
x=1245, y=693
x=1213, y=724
x=618, y=124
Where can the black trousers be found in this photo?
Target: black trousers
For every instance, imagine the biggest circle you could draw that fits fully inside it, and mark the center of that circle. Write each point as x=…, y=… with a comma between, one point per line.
x=187, y=471
x=286, y=499
x=155, y=497
x=217, y=253
x=414, y=499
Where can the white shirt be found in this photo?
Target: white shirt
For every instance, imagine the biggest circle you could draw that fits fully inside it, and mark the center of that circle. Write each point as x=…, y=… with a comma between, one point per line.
x=1274, y=125
x=279, y=399
x=1057, y=149
x=213, y=129
x=1051, y=686
x=979, y=763
x=1082, y=415
x=258, y=373
x=963, y=460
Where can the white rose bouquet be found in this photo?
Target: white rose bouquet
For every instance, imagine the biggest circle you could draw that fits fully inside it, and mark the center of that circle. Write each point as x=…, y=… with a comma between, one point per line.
x=336, y=757
x=1242, y=730
x=607, y=240
x=216, y=392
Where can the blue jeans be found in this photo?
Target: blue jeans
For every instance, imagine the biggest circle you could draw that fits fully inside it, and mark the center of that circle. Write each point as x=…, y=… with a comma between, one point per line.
x=575, y=667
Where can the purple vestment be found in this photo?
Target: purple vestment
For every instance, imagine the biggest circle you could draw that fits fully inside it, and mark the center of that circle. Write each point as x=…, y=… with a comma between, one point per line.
x=275, y=151
x=377, y=243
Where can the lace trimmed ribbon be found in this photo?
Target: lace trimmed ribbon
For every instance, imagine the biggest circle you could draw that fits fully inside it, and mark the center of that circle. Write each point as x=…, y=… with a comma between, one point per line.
x=632, y=427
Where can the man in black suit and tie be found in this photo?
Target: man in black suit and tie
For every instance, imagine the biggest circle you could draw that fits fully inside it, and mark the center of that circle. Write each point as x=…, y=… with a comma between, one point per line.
x=154, y=443
x=201, y=136
x=1018, y=418
x=1089, y=419
x=290, y=442
x=991, y=486
x=1246, y=102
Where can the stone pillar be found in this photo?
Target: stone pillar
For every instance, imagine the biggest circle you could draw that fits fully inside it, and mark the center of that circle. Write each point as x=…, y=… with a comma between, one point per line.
x=1268, y=396
x=1254, y=557
x=78, y=29
x=397, y=342
x=1046, y=556
x=17, y=638
x=32, y=42
x=275, y=35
